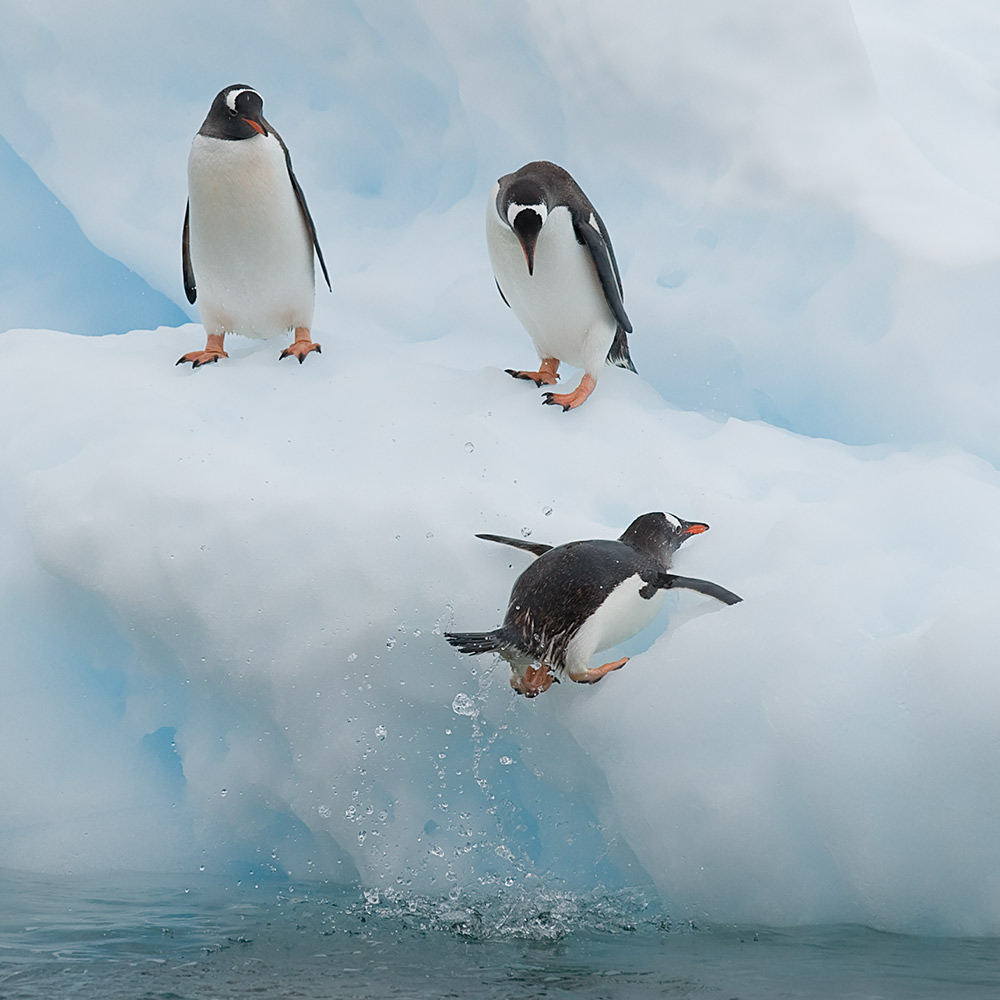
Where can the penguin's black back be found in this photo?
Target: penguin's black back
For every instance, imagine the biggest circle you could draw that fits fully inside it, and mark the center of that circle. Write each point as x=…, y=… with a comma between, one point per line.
x=562, y=588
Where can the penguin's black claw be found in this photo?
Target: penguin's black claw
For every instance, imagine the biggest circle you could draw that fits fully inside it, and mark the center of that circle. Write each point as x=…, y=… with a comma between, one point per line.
x=570, y=400
x=199, y=358
x=301, y=349
x=539, y=378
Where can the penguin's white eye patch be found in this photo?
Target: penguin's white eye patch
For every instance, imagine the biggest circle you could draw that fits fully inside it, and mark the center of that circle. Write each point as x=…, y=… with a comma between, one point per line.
x=514, y=210
x=233, y=94
x=672, y=520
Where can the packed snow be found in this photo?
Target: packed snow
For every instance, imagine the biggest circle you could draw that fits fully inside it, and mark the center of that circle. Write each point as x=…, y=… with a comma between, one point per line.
x=223, y=590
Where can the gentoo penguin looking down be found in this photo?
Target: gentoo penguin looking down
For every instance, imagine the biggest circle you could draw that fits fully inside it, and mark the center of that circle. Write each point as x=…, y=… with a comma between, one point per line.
x=554, y=266
x=579, y=598
x=248, y=236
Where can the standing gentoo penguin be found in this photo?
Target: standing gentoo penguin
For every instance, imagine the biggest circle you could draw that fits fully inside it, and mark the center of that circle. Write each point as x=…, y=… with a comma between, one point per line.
x=579, y=598
x=248, y=235
x=554, y=266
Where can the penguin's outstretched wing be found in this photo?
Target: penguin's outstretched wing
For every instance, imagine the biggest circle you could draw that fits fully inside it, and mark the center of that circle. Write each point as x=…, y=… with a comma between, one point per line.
x=535, y=548
x=670, y=581
x=592, y=234
x=190, y=289
x=301, y=199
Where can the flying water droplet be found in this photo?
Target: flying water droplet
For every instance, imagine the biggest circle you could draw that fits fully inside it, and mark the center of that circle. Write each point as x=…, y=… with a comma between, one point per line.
x=464, y=705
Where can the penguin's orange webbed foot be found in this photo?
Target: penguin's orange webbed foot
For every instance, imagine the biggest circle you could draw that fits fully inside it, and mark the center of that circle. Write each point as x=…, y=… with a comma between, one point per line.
x=299, y=350
x=593, y=676
x=199, y=358
x=547, y=374
x=539, y=378
x=570, y=400
x=534, y=682
x=302, y=346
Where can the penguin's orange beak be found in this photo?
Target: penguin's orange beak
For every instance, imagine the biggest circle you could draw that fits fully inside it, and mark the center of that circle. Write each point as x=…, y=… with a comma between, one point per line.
x=695, y=529
x=529, y=254
x=255, y=126
x=527, y=225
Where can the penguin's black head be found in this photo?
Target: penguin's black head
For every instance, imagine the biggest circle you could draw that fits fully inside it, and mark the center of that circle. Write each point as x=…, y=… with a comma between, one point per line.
x=523, y=205
x=660, y=534
x=236, y=113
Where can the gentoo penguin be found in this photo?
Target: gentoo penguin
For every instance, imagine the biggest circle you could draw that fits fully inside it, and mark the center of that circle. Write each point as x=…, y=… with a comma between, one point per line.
x=554, y=266
x=248, y=235
x=579, y=598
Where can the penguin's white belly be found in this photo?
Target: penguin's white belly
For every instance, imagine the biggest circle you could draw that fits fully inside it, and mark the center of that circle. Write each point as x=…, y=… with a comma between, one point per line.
x=561, y=305
x=623, y=614
x=251, y=253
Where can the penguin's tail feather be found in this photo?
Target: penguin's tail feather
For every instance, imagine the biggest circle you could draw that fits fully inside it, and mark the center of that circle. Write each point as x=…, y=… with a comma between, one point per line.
x=618, y=355
x=477, y=642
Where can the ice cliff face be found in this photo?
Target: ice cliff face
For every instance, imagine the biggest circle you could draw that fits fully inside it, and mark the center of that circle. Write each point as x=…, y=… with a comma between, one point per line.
x=223, y=590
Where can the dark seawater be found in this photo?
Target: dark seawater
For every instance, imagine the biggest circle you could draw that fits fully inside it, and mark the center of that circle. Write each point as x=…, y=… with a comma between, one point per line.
x=145, y=939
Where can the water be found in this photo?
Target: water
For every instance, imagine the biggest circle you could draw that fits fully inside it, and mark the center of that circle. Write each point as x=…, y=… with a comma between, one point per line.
x=147, y=939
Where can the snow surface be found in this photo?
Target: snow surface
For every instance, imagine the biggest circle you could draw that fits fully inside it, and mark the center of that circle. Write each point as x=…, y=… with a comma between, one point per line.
x=223, y=590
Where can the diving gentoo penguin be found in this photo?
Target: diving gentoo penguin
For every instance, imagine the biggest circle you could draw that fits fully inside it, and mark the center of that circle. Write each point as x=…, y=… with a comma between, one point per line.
x=579, y=598
x=554, y=266
x=248, y=235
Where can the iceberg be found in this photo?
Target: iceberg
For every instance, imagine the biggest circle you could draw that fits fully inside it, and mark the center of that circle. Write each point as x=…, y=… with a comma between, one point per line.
x=224, y=591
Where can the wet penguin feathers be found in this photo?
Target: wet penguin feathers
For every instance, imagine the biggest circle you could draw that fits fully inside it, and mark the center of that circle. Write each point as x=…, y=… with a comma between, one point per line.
x=584, y=596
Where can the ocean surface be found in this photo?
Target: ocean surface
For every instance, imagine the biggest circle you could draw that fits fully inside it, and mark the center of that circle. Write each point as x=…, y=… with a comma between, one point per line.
x=147, y=939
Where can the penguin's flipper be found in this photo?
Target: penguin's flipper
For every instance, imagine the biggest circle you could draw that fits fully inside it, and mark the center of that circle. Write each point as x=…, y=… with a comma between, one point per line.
x=504, y=297
x=190, y=289
x=618, y=354
x=592, y=234
x=536, y=548
x=307, y=218
x=670, y=581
